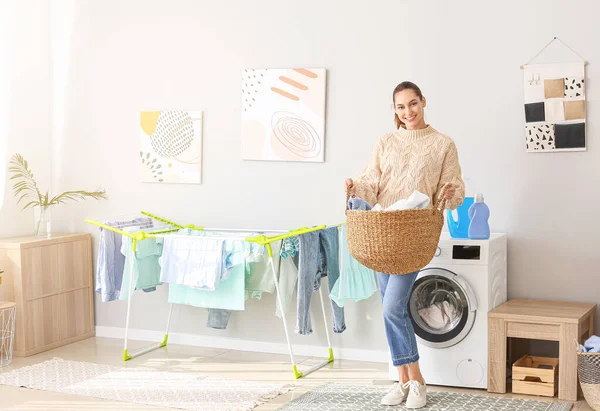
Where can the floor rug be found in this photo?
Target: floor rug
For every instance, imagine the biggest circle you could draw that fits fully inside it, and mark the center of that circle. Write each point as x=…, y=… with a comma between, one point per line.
x=143, y=386
x=355, y=397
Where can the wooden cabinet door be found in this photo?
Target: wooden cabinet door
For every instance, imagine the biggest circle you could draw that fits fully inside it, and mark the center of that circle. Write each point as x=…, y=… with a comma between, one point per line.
x=42, y=324
x=40, y=272
x=75, y=314
x=74, y=269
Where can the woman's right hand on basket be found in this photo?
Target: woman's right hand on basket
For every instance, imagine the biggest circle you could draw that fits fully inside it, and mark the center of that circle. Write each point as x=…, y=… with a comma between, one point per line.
x=350, y=186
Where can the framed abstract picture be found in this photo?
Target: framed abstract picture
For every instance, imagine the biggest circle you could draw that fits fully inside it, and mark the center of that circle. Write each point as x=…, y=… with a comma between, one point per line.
x=555, y=107
x=171, y=146
x=283, y=114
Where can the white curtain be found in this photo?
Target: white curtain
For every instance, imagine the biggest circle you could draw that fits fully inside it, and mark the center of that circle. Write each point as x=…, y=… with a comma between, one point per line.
x=61, y=20
x=8, y=17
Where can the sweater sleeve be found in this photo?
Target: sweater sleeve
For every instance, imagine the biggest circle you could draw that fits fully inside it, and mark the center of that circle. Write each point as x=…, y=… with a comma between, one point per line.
x=451, y=173
x=367, y=184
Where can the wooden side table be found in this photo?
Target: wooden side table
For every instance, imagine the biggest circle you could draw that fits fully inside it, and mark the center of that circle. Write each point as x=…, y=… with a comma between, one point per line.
x=541, y=320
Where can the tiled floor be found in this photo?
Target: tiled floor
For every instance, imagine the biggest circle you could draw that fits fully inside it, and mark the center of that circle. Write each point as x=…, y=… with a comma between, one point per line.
x=208, y=361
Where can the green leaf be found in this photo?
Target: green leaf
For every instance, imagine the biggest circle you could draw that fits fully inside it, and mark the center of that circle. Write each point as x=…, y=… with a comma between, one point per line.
x=27, y=187
x=20, y=169
x=30, y=204
x=77, y=195
x=22, y=197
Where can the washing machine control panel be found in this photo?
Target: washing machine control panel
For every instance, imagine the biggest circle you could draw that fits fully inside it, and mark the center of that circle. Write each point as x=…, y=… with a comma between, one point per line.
x=466, y=252
x=460, y=253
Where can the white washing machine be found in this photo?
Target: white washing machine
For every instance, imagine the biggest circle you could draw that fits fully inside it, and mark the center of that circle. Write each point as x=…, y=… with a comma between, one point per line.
x=448, y=308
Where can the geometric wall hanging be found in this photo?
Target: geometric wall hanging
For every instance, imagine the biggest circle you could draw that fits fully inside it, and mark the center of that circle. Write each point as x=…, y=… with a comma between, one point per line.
x=171, y=146
x=555, y=105
x=283, y=114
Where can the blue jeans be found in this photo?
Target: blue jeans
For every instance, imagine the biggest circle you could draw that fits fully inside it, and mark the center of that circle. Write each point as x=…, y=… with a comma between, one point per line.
x=318, y=257
x=218, y=318
x=395, y=294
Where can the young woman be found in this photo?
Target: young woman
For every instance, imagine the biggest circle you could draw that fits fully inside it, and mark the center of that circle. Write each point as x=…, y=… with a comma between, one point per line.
x=416, y=157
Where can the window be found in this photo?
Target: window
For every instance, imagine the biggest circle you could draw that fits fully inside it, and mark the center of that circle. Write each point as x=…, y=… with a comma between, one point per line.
x=7, y=39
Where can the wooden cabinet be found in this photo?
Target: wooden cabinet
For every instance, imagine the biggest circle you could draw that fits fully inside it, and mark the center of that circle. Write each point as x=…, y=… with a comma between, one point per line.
x=51, y=280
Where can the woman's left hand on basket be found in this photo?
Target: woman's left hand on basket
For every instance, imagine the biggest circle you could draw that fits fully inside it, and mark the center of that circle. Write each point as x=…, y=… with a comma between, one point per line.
x=450, y=192
x=350, y=186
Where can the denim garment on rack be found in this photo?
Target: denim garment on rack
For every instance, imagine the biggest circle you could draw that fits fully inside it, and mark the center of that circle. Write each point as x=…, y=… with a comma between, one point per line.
x=318, y=258
x=218, y=319
x=110, y=261
x=146, y=269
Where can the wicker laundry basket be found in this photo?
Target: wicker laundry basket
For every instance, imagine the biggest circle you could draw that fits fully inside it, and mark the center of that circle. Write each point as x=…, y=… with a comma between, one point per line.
x=395, y=242
x=588, y=369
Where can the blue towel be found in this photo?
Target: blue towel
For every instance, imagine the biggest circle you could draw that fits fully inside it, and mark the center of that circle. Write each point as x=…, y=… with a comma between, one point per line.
x=358, y=204
x=592, y=344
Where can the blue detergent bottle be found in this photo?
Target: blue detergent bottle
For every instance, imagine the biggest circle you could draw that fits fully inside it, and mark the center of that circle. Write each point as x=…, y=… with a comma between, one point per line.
x=460, y=228
x=479, y=214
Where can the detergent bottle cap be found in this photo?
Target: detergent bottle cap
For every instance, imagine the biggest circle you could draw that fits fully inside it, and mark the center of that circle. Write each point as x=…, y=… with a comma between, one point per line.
x=479, y=198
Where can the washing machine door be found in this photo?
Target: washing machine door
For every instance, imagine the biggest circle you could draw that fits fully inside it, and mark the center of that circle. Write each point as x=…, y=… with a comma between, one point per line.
x=442, y=308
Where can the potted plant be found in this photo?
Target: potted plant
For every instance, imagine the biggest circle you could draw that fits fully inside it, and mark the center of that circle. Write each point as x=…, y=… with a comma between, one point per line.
x=26, y=188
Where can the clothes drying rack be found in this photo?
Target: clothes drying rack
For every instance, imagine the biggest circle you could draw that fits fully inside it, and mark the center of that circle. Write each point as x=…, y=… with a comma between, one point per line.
x=260, y=239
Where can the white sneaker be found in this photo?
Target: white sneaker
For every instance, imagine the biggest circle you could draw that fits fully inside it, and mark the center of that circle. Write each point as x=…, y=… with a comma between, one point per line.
x=417, y=394
x=396, y=395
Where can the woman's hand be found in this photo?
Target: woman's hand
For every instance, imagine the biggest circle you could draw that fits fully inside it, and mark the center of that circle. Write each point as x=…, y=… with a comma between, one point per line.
x=350, y=186
x=450, y=192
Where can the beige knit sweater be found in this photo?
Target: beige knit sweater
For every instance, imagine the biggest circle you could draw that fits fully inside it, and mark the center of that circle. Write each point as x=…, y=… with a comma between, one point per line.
x=409, y=160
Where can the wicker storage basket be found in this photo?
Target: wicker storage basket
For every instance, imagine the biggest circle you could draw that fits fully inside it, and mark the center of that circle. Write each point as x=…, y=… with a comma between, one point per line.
x=395, y=242
x=588, y=369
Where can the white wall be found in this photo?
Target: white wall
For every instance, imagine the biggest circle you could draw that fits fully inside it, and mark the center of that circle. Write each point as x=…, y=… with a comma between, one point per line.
x=135, y=55
x=29, y=117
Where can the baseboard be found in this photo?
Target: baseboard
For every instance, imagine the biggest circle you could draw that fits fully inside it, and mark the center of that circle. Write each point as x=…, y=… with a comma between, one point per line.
x=243, y=345
x=34, y=351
